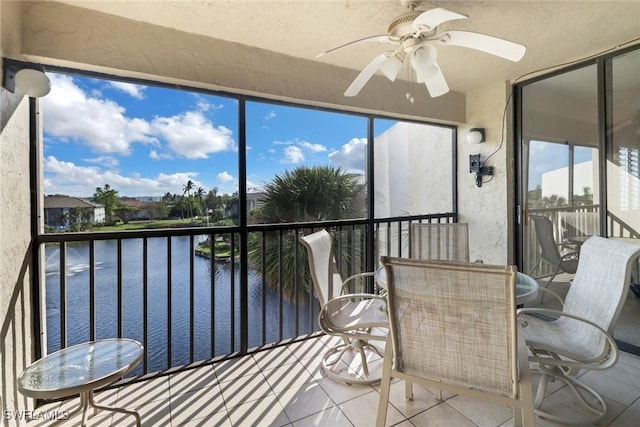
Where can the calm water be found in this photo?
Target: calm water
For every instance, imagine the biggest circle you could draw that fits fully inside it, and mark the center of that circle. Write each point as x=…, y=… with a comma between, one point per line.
x=225, y=310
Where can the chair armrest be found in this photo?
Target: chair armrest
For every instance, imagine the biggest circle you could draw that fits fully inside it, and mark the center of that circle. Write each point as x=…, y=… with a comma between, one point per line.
x=361, y=330
x=346, y=283
x=610, y=348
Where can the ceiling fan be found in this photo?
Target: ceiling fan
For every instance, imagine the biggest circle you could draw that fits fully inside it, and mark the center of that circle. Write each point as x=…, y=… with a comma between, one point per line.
x=414, y=36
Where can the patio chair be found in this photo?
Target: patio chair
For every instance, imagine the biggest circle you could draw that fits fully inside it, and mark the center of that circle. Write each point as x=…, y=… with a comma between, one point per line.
x=581, y=335
x=354, y=317
x=549, y=252
x=446, y=337
x=448, y=241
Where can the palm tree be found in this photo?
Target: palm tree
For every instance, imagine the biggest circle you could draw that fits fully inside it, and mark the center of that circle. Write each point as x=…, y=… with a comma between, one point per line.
x=187, y=189
x=306, y=194
x=199, y=195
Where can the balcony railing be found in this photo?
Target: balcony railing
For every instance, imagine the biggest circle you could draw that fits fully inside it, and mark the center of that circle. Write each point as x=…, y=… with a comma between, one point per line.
x=188, y=305
x=615, y=226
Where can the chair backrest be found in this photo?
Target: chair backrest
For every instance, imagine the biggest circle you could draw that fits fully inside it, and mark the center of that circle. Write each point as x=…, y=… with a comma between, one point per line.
x=454, y=322
x=544, y=234
x=324, y=272
x=600, y=286
x=449, y=241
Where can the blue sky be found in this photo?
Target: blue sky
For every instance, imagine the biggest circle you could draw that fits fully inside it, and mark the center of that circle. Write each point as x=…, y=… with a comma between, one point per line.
x=146, y=140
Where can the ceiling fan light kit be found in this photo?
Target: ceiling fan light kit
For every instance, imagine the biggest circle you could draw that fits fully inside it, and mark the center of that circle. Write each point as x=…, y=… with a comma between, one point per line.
x=414, y=36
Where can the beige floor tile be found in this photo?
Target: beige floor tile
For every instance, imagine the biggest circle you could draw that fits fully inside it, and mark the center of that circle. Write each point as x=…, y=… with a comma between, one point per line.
x=235, y=368
x=286, y=376
x=362, y=410
x=278, y=356
x=153, y=413
x=329, y=417
x=423, y=399
x=629, y=418
x=218, y=419
x=311, y=348
x=143, y=392
x=481, y=413
x=266, y=411
x=304, y=400
x=245, y=389
x=611, y=387
x=196, y=404
x=192, y=379
x=441, y=415
x=340, y=392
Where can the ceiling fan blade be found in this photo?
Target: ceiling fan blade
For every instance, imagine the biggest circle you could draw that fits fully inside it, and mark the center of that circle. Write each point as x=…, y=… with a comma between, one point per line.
x=380, y=39
x=430, y=19
x=391, y=67
x=437, y=85
x=366, y=73
x=489, y=44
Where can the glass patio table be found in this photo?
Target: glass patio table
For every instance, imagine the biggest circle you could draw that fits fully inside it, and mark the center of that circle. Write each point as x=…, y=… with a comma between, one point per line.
x=526, y=286
x=81, y=369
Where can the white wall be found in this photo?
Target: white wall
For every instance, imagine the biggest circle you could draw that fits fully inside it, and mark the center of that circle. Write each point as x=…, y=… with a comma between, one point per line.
x=489, y=209
x=16, y=340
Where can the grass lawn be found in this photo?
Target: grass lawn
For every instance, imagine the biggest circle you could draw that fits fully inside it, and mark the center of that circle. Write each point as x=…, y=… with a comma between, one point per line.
x=162, y=223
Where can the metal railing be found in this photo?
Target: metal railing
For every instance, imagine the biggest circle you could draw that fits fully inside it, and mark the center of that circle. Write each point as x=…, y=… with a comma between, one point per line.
x=185, y=294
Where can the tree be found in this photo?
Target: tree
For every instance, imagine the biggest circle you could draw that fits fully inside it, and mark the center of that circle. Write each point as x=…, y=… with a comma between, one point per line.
x=310, y=194
x=306, y=194
x=187, y=189
x=109, y=198
x=125, y=213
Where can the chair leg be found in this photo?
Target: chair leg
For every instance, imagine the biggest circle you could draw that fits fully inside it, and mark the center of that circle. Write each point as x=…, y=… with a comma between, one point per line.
x=582, y=391
x=334, y=368
x=385, y=386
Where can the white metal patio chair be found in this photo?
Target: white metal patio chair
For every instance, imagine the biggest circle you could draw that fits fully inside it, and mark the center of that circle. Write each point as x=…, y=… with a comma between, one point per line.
x=446, y=241
x=445, y=336
x=581, y=335
x=354, y=317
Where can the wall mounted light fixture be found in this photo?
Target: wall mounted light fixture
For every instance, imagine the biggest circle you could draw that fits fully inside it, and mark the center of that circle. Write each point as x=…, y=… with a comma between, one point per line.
x=476, y=136
x=29, y=79
x=475, y=165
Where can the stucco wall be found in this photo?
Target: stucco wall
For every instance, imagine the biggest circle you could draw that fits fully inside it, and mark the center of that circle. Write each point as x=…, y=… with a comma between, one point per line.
x=15, y=233
x=15, y=260
x=488, y=209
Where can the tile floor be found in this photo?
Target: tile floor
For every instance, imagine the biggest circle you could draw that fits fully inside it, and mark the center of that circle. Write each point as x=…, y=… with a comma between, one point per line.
x=285, y=386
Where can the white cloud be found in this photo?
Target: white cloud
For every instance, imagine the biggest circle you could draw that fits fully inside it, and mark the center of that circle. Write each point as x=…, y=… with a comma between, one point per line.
x=136, y=91
x=100, y=124
x=314, y=148
x=224, y=177
x=106, y=161
x=296, y=149
x=67, y=178
x=270, y=115
x=292, y=154
x=154, y=155
x=192, y=135
x=351, y=156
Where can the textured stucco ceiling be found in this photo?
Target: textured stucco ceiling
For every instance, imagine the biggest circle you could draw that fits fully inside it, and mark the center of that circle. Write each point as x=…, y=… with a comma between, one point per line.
x=553, y=31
